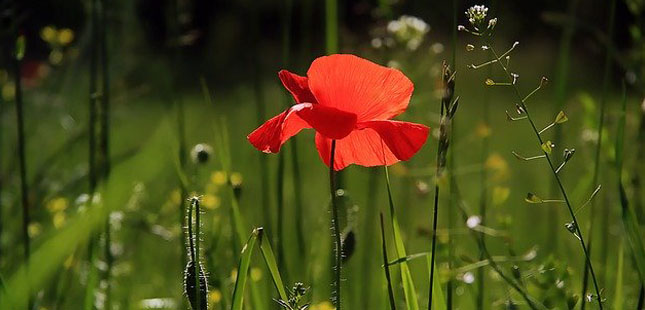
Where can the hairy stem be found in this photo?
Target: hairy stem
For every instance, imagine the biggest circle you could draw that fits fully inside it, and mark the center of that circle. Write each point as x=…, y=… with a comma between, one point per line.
x=335, y=229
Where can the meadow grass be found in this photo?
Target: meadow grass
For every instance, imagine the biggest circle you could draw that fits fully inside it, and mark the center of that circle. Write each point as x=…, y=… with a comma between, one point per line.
x=143, y=206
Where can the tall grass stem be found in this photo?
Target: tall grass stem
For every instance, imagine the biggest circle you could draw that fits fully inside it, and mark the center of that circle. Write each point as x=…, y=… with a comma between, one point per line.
x=21, y=141
x=598, y=151
x=452, y=165
x=331, y=26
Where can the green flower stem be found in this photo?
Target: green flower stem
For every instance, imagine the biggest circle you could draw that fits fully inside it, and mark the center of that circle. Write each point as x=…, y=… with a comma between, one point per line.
x=335, y=228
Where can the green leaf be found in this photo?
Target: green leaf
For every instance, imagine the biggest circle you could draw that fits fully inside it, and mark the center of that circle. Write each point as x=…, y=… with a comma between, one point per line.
x=243, y=271
x=547, y=147
x=532, y=198
x=408, y=258
x=561, y=118
x=272, y=264
x=386, y=267
x=222, y=146
x=406, y=277
x=438, y=302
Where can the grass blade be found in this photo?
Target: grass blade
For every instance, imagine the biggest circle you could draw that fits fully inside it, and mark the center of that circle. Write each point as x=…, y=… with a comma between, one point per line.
x=386, y=267
x=243, y=271
x=437, y=294
x=629, y=218
x=619, y=299
x=269, y=259
x=406, y=277
x=239, y=223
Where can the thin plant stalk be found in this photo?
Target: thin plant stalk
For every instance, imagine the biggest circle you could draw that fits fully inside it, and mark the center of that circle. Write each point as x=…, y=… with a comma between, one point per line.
x=196, y=254
x=93, y=79
x=386, y=267
x=446, y=112
x=20, y=121
x=93, y=174
x=183, y=191
x=105, y=93
x=286, y=43
x=297, y=188
x=481, y=243
x=522, y=104
x=561, y=79
x=483, y=199
x=434, y=243
x=452, y=166
x=331, y=26
x=280, y=209
x=105, y=143
x=409, y=290
x=368, y=234
x=597, y=156
x=258, y=90
x=335, y=230
x=1, y=182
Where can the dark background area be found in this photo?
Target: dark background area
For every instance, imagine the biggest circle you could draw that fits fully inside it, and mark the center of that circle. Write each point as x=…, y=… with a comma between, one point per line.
x=229, y=35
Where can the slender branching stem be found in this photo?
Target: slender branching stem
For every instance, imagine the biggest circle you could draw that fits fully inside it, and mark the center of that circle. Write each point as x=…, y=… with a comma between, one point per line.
x=496, y=60
x=533, y=92
x=520, y=157
x=335, y=228
x=546, y=128
x=513, y=119
x=558, y=180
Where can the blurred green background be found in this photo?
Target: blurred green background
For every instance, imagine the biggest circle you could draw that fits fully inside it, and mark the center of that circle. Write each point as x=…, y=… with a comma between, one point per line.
x=185, y=72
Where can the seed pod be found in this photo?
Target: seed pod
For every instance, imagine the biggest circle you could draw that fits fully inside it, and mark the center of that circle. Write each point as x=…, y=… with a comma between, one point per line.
x=348, y=245
x=189, y=286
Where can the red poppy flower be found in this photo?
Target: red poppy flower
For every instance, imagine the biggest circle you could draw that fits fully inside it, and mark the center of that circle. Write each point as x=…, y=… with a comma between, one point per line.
x=351, y=100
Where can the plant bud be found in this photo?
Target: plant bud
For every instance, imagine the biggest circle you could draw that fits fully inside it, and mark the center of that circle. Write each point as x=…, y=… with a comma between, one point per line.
x=189, y=286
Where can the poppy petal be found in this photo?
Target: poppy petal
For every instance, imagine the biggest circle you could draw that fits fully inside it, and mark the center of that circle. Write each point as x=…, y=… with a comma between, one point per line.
x=353, y=84
x=273, y=133
x=297, y=85
x=404, y=139
x=329, y=122
x=376, y=143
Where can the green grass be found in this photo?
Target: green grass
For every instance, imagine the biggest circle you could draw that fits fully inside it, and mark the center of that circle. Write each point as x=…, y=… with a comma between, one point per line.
x=152, y=174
